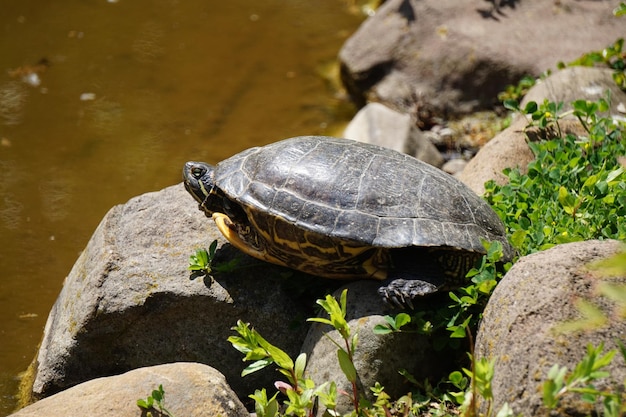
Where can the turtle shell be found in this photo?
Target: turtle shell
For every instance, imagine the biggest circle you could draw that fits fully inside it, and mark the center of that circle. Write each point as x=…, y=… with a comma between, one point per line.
x=359, y=193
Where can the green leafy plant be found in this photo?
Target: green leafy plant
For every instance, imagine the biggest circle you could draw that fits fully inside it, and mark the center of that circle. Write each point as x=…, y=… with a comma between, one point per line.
x=302, y=394
x=345, y=354
x=469, y=301
x=394, y=324
x=575, y=189
x=156, y=398
x=203, y=261
x=517, y=91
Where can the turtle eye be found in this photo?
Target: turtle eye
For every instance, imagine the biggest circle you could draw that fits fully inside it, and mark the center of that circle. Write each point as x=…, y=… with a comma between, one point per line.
x=197, y=172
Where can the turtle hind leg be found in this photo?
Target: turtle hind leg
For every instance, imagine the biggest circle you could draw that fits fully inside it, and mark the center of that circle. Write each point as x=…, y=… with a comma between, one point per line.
x=400, y=290
x=414, y=273
x=419, y=272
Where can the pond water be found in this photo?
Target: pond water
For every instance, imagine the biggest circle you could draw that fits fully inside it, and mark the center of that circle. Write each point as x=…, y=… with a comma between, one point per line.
x=103, y=100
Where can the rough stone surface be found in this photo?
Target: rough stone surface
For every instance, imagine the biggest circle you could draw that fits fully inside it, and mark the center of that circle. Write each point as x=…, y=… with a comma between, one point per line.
x=382, y=126
x=129, y=302
x=446, y=56
x=378, y=358
x=574, y=83
x=191, y=389
x=517, y=330
x=508, y=149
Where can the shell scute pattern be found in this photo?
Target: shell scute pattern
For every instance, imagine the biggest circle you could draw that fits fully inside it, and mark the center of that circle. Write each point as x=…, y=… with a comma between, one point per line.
x=343, y=209
x=357, y=193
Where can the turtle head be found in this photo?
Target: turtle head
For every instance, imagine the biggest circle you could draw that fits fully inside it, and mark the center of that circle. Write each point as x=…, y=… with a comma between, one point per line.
x=199, y=179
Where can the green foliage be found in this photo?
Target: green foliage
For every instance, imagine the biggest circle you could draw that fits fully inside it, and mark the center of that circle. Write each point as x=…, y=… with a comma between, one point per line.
x=480, y=376
x=394, y=324
x=575, y=189
x=157, y=398
x=516, y=92
x=261, y=352
x=302, y=394
x=468, y=302
x=203, y=261
x=263, y=406
x=580, y=381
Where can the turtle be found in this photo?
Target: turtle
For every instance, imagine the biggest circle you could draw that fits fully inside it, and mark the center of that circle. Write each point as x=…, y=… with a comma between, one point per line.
x=343, y=209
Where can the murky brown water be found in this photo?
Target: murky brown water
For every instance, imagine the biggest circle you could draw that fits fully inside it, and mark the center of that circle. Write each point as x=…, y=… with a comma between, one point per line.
x=128, y=91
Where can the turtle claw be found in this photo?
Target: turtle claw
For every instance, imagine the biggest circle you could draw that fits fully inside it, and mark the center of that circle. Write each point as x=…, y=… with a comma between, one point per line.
x=395, y=299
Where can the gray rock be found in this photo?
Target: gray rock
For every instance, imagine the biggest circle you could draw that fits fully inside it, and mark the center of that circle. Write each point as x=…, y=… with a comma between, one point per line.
x=379, y=125
x=454, y=57
x=518, y=326
x=574, y=83
x=454, y=166
x=508, y=149
x=191, y=389
x=129, y=302
x=378, y=358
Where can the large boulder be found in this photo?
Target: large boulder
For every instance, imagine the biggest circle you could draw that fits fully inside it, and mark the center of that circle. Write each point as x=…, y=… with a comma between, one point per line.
x=129, y=301
x=191, y=390
x=446, y=56
x=519, y=326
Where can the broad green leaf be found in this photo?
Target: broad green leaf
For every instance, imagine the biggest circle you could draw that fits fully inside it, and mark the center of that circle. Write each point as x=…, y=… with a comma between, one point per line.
x=401, y=320
x=278, y=356
x=531, y=107
x=300, y=365
x=511, y=104
x=212, y=249
x=381, y=329
x=549, y=394
x=458, y=380
x=256, y=366
x=346, y=365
